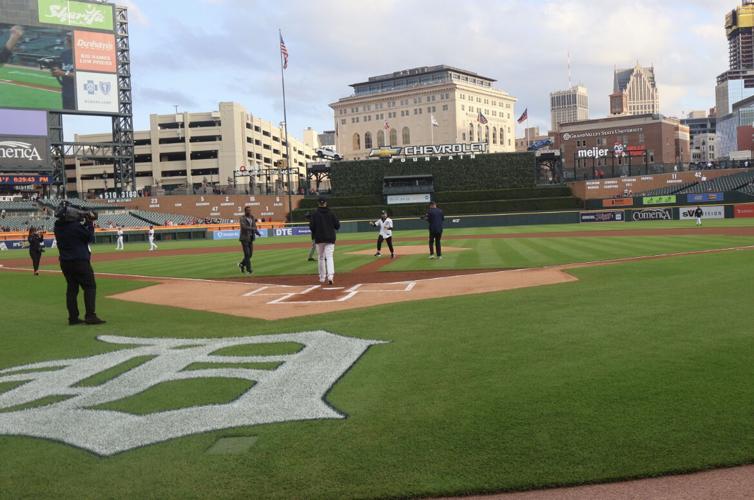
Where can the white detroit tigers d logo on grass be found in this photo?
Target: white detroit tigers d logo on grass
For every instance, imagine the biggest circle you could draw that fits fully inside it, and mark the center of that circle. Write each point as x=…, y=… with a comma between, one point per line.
x=293, y=391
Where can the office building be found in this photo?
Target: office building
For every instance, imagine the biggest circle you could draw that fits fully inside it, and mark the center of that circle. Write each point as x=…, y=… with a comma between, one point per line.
x=634, y=92
x=422, y=106
x=568, y=106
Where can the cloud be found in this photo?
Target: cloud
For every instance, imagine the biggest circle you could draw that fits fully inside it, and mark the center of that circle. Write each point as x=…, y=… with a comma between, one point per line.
x=217, y=50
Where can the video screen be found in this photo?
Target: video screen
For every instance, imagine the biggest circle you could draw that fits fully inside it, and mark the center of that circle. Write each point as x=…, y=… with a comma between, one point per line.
x=41, y=68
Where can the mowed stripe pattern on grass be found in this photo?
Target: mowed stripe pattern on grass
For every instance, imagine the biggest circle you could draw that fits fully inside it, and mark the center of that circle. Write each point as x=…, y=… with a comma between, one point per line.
x=630, y=371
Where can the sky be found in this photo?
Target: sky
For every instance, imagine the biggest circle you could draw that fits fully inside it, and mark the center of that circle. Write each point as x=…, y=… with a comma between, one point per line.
x=196, y=53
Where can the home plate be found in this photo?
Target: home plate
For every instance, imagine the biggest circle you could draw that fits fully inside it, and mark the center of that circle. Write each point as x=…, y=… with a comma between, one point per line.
x=409, y=250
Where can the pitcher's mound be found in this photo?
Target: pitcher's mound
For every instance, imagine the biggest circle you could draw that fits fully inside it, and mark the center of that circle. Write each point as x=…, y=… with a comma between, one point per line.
x=409, y=250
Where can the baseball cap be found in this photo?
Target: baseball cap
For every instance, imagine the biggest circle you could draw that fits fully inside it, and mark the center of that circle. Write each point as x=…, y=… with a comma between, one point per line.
x=322, y=200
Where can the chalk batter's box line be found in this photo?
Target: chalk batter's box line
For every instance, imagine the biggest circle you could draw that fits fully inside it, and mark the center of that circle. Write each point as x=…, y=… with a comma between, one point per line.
x=350, y=293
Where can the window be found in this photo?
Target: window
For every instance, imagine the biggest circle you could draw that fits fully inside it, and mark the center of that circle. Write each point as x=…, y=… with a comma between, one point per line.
x=479, y=132
x=406, y=133
x=342, y=121
x=367, y=140
x=494, y=135
x=356, y=142
x=380, y=138
x=393, y=137
x=463, y=107
x=444, y=107
x=463, y=136
x=487, y=134
x=471, y=132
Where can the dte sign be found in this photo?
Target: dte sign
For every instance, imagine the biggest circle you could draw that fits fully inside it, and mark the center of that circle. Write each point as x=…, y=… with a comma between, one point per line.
x=292, y=231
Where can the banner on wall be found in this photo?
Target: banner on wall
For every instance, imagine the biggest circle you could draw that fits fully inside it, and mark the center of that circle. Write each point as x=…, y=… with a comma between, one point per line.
x=660, y=200
x=612, y=216
x=704, y=197
x=744, y=211
x=708, y=212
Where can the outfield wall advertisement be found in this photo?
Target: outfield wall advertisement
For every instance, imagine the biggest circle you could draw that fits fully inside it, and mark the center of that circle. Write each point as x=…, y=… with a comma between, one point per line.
x=611, y=216
x=744, y=211
x=648, y=214
x=708, y=211
x=63, y=57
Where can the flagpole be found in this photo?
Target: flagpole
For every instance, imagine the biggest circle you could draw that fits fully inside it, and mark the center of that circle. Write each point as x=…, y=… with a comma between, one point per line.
x=285, y=124
x=432, y=129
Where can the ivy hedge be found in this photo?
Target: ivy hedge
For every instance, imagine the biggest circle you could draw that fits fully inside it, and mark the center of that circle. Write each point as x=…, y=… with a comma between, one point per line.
x=446, y=197
x=453, y=208
x=483, y=172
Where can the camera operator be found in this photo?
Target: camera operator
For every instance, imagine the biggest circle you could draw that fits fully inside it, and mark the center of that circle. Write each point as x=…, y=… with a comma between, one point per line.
x=74, y=230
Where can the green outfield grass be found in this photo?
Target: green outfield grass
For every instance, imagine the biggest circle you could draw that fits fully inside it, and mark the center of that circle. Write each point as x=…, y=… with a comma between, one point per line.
x=487, y=253
x=637, y=369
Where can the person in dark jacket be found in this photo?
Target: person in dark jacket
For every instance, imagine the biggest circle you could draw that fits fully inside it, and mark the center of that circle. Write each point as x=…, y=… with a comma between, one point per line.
x=698, y=213
x=74, y=231
x=323, y=225
x=36, y=247
x=434, y=217
x=247, y=236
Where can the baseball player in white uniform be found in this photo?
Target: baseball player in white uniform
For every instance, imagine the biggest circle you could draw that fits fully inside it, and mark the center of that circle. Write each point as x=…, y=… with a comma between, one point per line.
x=152, y=244
x=385, y=224
x=119, y=241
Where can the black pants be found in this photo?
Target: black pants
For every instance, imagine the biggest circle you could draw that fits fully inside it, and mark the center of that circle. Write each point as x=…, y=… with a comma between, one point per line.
x=79, y=273
x=248, y=250
x=389, y=242
x=434, y=243
x=35, y=257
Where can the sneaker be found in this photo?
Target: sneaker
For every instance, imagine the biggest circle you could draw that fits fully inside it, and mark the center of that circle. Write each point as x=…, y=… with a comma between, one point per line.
x=250, y=271
x=94, y=320
x=312, y=259
x=431, y=256
x=76, y=321
x=439, y=257
x=329, y=282
x=378, y=254
x=240, y=266
x=392, y=255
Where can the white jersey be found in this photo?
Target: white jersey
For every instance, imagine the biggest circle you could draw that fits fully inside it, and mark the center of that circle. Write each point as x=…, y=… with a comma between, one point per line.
x=120, y=233
x=386, y=227
x=151, y=234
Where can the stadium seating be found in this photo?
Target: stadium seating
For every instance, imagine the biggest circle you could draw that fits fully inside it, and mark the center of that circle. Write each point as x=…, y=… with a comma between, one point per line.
x=720, y=184
x=668, y=190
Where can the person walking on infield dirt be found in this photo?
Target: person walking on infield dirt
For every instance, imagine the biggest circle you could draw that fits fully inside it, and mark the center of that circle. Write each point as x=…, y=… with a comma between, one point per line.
x=698, y=213
x=74, y=231
x=385, y=224
x=247, y=236
x=323, y=225
x=36, y=247
x=150, y=235
x=119, y=240
x=434, y=217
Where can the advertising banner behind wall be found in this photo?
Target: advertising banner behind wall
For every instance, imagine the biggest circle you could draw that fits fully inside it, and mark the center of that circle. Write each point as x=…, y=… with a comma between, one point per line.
x=650, y=214
x=659, y=200
x=96, y=92
x=618, y=202
x=72, y=13
x=16, y=180
x=397, y=199
x=20, y=244
x=704, y=197
x=612, y=216
x=745, y=211
x=94, y=51
x=233, y=234
x=23, y=154
x=710, y=212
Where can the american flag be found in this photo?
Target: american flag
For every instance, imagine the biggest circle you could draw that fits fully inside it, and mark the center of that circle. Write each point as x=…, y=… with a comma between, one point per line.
x=524, y=116
x=482, y=119
x=284, y=52
x=387, y=125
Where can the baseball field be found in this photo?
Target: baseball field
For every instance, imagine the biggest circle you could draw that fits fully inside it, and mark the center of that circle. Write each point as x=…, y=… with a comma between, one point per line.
x=24, y=87
x=528, y=357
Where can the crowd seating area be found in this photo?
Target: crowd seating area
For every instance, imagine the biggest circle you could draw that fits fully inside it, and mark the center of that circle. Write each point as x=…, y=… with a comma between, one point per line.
x=669, y=190
x=720, y=184
x=163, y=219
x=18, y=206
